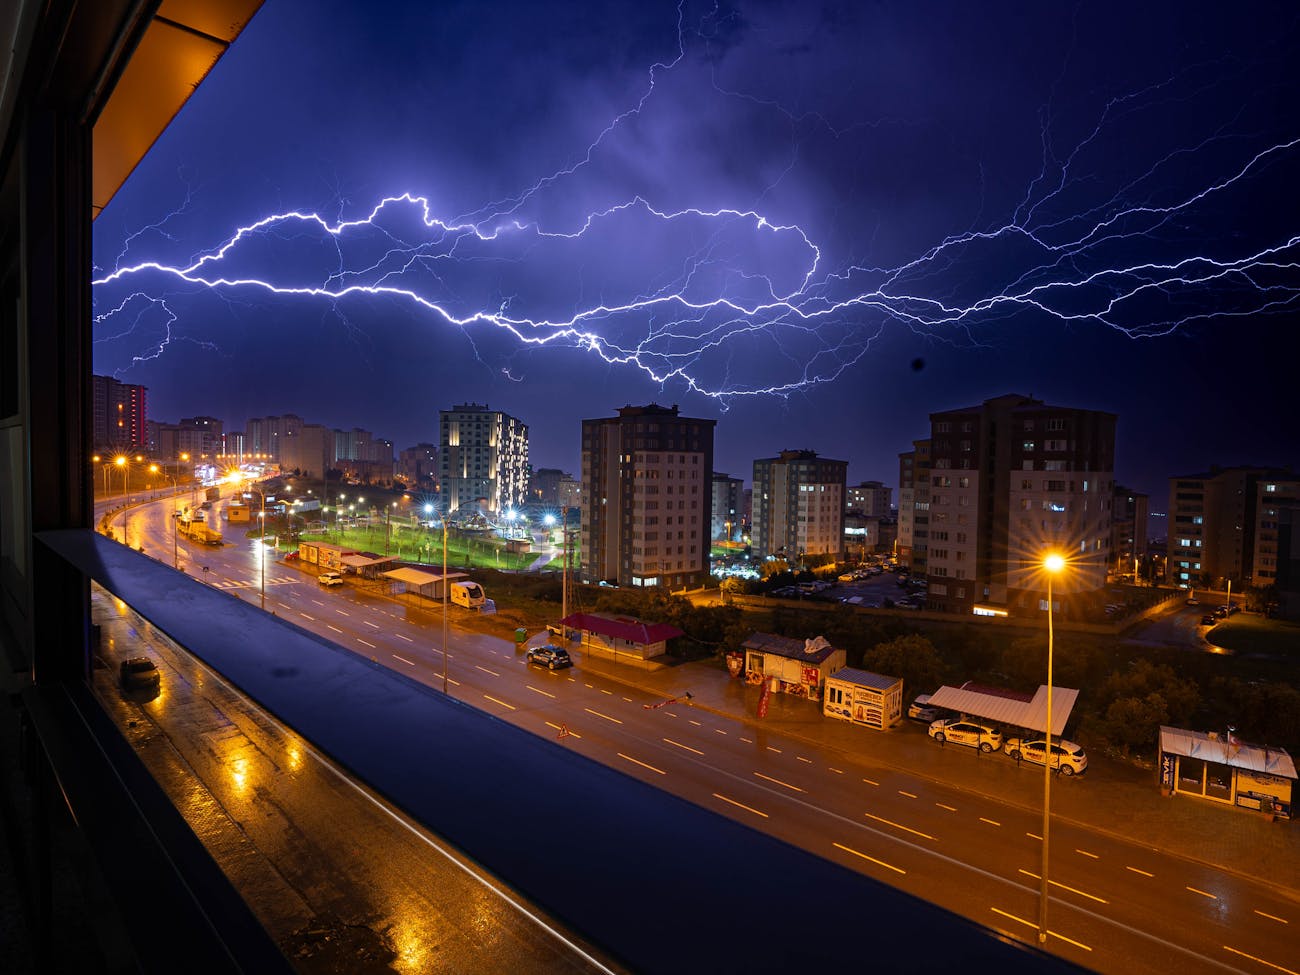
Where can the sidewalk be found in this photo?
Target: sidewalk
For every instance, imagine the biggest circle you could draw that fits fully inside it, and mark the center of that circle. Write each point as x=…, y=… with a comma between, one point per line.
x=1111, y=797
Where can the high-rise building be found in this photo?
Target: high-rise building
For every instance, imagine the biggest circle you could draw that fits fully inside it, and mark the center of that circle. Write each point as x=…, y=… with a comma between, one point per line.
x=728, y=499
x=198, y=437
x=1216, y=521
x=1010, y=481
x=568, y=493
x=544, y=485
x=263, y=435
x=913, y=530
x=799, y=506
x=418, y=465
x=482, y=460
x=871, y=499
x=120, y=418
x=1128, y=530
x=308, y=449
x=646, y=477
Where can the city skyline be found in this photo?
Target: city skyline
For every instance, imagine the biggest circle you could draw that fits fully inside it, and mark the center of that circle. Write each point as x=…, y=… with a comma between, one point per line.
x=1082, y=221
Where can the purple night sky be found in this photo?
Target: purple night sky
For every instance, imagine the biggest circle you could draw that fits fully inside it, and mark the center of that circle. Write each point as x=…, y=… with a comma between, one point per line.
x=817, y=223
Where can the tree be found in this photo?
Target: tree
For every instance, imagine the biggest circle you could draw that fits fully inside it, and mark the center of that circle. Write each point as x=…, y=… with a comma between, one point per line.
x=910, y=657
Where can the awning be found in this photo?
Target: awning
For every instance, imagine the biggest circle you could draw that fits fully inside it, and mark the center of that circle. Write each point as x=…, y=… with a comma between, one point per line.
x=1227, y=751
x=1031, y=714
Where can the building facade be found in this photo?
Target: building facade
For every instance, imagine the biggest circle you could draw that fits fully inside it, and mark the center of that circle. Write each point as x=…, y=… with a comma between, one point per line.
x=482, y=460
x=119, y=415
x=1011, y=480
x=1216, y=520
x=308, y=449
x=1128, y=530
x=544, y=486
x=646, y=499
x=913, y=505
x=871, y=499
x=798, y=506
x=418, y=465
x=728, y=511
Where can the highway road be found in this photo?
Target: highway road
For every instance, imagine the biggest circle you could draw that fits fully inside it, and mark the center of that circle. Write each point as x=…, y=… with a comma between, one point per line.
x=1115, y=906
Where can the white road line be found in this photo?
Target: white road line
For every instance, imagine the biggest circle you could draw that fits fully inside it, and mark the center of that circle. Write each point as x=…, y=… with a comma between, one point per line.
x=769, y=778
x=1260, y=960
x=696, y=723
x=318, y=602
x=340, y=612
x=1087, y=854
x=375, y=625
x=449, y=656
x=333, y=627
x=1142, y=872
x=949, y=808
x=718, y=731
x=404, y=660
x=1203, y=893
x=1034, y=836
x=603, y=691
x=486, y=671
x=539, y=691
x=909, y=795
x=1273, y=917
x=283, y=606
x=306, y=617
x=637, y=761
x=991, y=822
x=748, y=741
x=890, y=822
x=496, y=700
x=401, y=636
x=687, y=748
x=802, y=759
x=671, y=714
x=605, y=716
x=837, y=771
x=857, y=853
x=870, y=782
x=771, y=749
x=453, y=681
x=591, y=686
x=628, y=700
x=367, y=643
x=719, y=795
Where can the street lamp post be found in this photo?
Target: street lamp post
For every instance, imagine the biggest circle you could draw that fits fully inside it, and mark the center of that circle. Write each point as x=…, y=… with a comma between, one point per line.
x=261, y=545
x=1052, y=564
x=444, y=603
x=120, y=461
x=176, y=560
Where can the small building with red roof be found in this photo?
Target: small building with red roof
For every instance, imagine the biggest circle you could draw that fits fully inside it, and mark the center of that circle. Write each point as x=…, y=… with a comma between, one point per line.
x=621, y=638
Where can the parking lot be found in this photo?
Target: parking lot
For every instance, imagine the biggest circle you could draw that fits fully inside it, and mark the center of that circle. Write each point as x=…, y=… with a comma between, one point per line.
x=875, y=585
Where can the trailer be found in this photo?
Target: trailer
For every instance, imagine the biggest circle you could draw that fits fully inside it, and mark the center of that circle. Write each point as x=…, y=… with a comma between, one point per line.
x=213, y=493
x=324, y=555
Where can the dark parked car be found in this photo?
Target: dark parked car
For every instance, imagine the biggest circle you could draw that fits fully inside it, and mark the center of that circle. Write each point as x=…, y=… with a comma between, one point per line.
x=550, y=656
x=139, y=672
x=1209, y=620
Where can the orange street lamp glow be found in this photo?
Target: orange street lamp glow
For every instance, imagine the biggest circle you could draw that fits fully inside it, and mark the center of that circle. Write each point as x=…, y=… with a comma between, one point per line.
x=1054, y=563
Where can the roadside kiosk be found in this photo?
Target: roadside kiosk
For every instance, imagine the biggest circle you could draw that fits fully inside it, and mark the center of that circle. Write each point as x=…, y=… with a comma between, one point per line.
x=864, y=698
x=1227, y=770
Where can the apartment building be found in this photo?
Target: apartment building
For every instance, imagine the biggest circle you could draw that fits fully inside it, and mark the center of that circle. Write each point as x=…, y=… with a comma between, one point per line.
x=871, y=499
x=263, y=435
x=798, y=506
x=913, y=528
x=307, y=448
x=418, y=465
x=1011, y=480
x=194, y=436
x=118, y=414
x=1217, y=522
x=1128, y=530
x=728, y=501
x=646, y=499
x=482, y=460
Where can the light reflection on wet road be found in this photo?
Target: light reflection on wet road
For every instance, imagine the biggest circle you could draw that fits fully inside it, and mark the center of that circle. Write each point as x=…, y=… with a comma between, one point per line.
x=341, y=881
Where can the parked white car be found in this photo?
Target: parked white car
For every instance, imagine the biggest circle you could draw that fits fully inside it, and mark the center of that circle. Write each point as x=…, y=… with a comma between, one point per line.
x=963, y=731
x=1067, y=757
x=329, y=579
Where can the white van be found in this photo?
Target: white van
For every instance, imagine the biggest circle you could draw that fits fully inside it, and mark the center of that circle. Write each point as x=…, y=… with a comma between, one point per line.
x=467, y=594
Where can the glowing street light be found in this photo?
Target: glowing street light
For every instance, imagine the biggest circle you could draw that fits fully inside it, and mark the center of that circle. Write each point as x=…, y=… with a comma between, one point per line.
x=120, y=461
x=176, y=528
x=1053, y=564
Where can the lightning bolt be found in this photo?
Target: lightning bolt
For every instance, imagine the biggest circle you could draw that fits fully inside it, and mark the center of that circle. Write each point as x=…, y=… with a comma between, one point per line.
x=715, y=290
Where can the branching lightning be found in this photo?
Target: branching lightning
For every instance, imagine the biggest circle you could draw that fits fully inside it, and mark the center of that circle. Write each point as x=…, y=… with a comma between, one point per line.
x=726, y=280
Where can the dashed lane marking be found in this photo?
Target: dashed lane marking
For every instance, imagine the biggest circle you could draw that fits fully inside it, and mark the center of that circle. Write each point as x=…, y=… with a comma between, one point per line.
x=906, y=829
x=1142, y=872
x=991, y=822
x=687, y=748
x=306, y=617
x=367, y=643
x=768, y=778
x=1072, y=890
x=837, y=771
x=486, y=671
x=605, y=716
x=1279, y=968
x=1031, y=924
x=497, y=700
x=1203, y=893
x=802, y=759
x=409, y=663
x=402, y=636
x=1087, y=854
x=1273, y=917
x=375, y=625
x=870, y=782
x=756, y=812
x=908, y=794
x=537, y=690
x=881, y=863
x=748, y=741
x=637, y=761
x=771, y=749
x=333, y=627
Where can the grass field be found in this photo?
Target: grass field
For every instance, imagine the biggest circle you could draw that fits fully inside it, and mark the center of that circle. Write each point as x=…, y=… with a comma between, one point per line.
x=1254, y=635
x=424, y=545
